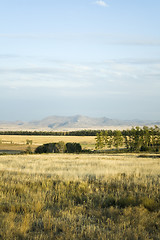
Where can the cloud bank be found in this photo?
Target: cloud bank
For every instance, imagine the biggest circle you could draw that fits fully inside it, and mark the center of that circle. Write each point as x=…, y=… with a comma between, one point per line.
x=121, y=87
x=125, y=76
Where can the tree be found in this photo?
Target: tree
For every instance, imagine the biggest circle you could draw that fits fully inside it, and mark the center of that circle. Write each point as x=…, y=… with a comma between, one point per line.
x=137, y=138
x=156, y=138
x=118, y=139
x=146, y=139
x=100, y=140
x=73, y=148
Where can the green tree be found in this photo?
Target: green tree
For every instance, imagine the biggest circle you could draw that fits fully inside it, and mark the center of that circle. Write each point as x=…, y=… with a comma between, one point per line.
x=146, y=139
x=118, y=139
x=137, y=137
x=100, y=140
x=73, y=148
x=156, y=138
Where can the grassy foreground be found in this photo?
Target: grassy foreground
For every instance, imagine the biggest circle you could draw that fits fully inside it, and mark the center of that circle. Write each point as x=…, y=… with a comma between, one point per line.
x=69, y=196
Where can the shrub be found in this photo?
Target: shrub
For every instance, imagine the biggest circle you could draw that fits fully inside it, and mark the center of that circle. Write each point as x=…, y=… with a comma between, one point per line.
x=73, y=148
x=150, y=204
x=144, y=148
x=28, y=142
x=45, y=148
x=59, y=147
x=28, y=150
x=127, y=201
x=108, y=202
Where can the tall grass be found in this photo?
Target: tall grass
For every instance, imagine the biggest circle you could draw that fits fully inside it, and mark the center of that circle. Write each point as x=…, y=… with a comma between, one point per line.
x=70, y=196
x=75, y=166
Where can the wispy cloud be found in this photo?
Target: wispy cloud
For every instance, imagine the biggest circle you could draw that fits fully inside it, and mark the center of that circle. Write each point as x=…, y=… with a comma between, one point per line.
x=81, y=38
x=120, y=84
x=64, y=76
x=101, y=3
x=121, y=75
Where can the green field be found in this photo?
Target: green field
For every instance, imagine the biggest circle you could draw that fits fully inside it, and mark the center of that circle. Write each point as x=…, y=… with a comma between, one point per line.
x=79, y=196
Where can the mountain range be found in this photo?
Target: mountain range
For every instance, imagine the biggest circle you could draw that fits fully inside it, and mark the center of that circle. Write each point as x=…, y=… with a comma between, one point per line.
x=77, y=122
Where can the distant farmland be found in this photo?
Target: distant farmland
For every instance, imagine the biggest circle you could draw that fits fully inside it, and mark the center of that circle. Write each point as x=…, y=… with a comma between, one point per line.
x=19, y=143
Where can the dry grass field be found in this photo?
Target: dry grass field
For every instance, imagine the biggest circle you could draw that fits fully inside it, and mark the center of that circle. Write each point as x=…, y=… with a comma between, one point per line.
x=79, y=166
x=79, y=196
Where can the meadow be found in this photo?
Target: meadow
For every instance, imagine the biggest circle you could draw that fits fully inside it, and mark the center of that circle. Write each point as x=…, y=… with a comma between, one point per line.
x=80, y=196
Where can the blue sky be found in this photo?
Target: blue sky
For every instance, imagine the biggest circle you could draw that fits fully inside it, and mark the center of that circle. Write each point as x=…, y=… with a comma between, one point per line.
x=94, y=58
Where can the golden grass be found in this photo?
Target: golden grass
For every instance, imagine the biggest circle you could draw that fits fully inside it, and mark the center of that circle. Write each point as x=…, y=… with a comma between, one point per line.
x=46, y=139
x=79, y=196
x=80, y=165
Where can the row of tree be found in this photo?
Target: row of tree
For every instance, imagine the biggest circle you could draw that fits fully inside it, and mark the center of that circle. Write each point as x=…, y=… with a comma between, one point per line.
x=134, y=140
x=110, y=133
x=52, y=133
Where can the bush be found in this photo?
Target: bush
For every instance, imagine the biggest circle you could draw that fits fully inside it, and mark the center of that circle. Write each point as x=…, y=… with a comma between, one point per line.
x=45, y=148
x=28, y=150
x=150, y=204
x=28, y=142
x=59, y=147
x=73, y=148
x=127, y=201
x=108, y=202
x=144, y=149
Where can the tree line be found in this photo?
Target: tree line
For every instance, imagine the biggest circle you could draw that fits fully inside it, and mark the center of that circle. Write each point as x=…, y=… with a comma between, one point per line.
x=51, y=133
x=133, y=140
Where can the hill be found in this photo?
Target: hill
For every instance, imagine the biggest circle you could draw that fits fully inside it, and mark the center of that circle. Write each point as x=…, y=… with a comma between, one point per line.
x=77, y=122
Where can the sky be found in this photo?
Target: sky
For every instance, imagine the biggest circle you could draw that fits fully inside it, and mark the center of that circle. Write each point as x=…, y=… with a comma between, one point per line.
x=68, y=57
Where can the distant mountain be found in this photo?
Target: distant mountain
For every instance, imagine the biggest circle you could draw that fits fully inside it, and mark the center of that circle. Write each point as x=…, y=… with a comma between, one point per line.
x=73, y=123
